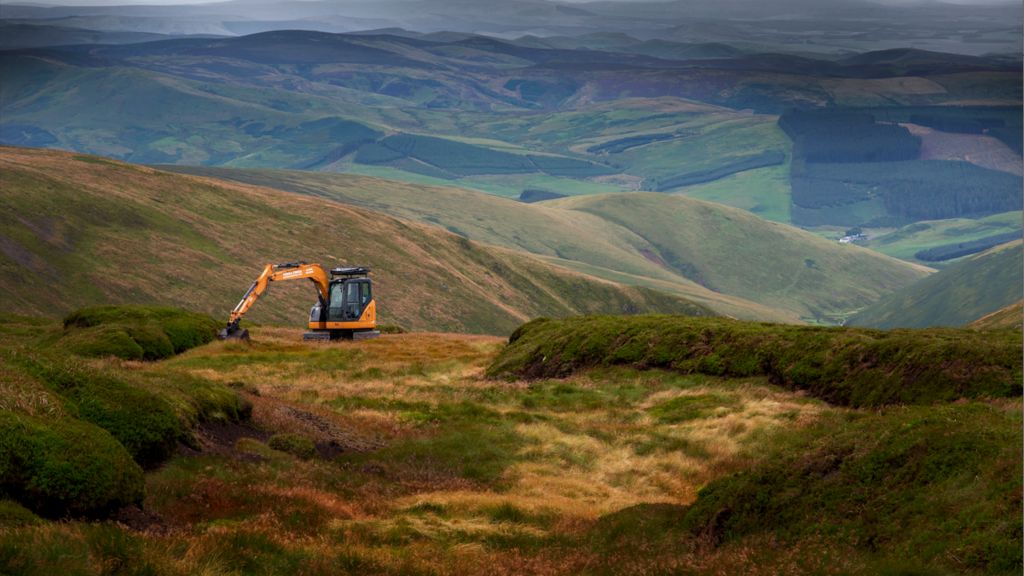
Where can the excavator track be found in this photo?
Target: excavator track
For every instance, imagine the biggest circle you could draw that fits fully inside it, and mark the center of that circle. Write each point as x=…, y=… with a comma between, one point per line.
x=325, y=335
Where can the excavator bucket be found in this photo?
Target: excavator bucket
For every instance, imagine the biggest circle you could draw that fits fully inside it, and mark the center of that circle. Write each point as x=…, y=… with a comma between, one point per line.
x=233, y=332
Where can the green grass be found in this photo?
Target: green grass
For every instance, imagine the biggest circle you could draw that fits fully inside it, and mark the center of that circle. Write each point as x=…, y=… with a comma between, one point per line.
x=88, y=549
x=14, y=515
x=65, y=466
x=75, y=432
x=956, y=295
x=142, y=421
x=764, y=192
x=733, y=252
x=294, y=444
x=614, y=470
x=720, y=141
x=684, y=408
x=852, y=367
x=463, y=440
x=904, y=490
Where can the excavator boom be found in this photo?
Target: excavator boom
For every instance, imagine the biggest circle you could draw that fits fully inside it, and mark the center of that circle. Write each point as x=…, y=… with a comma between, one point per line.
x=273, y=273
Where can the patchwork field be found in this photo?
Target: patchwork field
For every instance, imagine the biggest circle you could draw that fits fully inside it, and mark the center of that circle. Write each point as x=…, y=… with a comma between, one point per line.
x=907, y=242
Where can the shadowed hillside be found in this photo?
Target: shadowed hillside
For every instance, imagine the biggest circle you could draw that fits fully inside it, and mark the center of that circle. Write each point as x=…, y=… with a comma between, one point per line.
x=955, y=296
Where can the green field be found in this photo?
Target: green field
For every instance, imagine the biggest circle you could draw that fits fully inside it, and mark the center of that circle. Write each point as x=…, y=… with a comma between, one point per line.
x=905, y=242
x=764, y=192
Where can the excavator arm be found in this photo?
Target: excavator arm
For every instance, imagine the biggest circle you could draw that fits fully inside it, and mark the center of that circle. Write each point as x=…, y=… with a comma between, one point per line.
x=273, y=273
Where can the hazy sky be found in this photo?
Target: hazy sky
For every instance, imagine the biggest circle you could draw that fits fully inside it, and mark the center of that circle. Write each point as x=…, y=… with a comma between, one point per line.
x=165, y=2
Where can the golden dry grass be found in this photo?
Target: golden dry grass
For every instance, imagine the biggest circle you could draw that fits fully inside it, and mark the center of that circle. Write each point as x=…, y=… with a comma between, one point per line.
x=399, y=499
x=572, y=464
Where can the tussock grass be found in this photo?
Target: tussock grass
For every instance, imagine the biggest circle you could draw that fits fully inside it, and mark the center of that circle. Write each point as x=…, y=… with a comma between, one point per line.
x=65, y=466
x=294, y=444
x=903, y=490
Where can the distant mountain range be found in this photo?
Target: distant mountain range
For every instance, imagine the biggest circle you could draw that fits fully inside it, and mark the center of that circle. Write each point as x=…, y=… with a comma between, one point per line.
x=793, y=25
x=569, y=115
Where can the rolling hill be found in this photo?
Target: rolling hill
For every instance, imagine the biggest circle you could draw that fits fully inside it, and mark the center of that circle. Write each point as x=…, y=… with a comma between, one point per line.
x=734, y=252
x=81, y=230
x=722, y=257
x=955, y=296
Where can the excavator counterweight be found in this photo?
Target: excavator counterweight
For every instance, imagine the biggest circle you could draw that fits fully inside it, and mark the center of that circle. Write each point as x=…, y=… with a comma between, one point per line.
x=345, y=307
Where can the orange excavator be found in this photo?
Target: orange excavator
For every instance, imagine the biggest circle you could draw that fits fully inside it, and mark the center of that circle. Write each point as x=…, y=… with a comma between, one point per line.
x=345, y=307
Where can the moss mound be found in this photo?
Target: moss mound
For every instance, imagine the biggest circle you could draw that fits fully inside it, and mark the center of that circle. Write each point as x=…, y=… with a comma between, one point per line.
x=136, y=332
x=846, y=366
x=14, y=515
x=66, y=466
x=938, y=488
x=141, y=420
x=67, y=424
x=294, y=444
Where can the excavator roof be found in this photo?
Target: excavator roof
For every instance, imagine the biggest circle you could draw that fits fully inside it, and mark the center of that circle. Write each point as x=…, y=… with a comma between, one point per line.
x=353, y=271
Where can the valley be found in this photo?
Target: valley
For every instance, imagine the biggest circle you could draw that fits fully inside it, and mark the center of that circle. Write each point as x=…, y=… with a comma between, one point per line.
x=552, y=117
x=596, y=288
x=614, y=245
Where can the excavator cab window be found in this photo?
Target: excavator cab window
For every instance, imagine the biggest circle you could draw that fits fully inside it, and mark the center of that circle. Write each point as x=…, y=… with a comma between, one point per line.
x=337, y=304
x=352, y=307
x=348, y=300
x=364, y=294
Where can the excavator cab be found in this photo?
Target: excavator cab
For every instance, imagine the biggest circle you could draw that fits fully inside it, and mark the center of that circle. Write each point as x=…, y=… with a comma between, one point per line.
x=350, y=310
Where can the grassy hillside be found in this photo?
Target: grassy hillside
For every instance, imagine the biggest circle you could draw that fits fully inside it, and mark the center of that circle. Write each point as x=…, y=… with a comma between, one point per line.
x=902, y=490
x=734, y=252
x=703, y=251
x=955, y=296
x=1011, y=316
x=81, y=230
